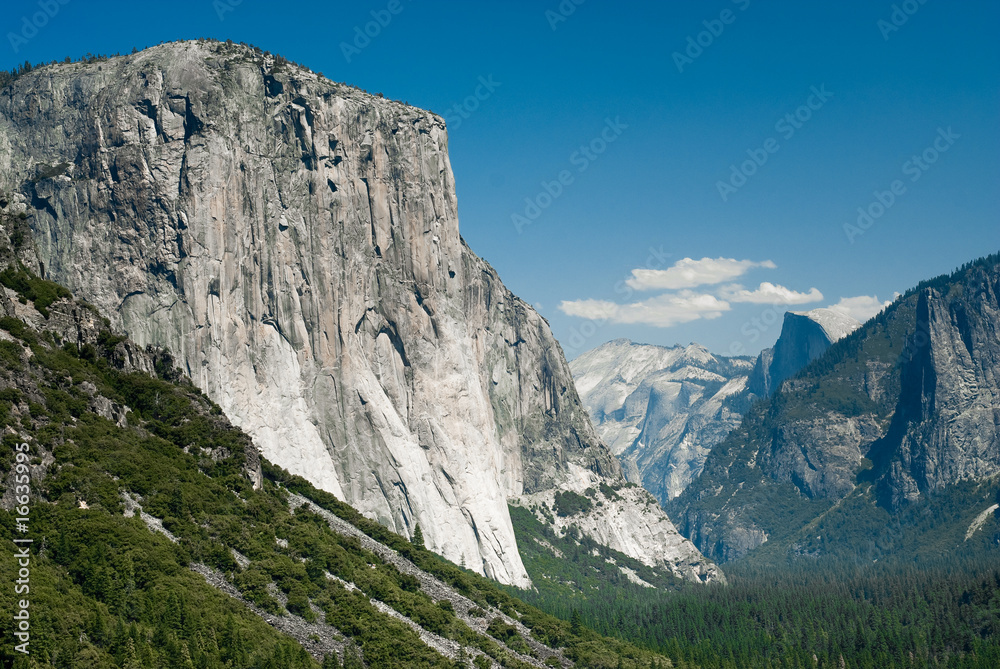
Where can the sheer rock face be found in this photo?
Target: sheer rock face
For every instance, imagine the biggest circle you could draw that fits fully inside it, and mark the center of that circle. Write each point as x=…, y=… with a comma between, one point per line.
x=660, y=410
x=295, y=244
x=804, y=337
x=947, y=422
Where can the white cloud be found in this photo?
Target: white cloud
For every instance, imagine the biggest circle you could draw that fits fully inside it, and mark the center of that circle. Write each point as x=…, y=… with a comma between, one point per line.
x=861, y=307
x=769, y=293
x=663, y=311
x=688, y=273
x=595, y=310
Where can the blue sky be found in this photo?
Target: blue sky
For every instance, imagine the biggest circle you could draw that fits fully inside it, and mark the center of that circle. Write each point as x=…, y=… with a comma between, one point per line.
x=607, y=152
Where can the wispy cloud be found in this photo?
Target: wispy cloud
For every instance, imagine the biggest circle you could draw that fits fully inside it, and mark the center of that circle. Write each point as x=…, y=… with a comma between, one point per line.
x=690, y=273
x=769, y=293
x=861, y=307
x=662, y=311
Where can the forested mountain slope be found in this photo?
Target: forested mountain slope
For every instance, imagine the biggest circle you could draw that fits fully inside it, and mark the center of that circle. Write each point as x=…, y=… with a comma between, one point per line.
x=160, y=538
x=887, y=443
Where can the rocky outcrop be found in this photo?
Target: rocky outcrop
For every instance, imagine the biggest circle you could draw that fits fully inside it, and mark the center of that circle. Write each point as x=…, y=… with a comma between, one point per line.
x=627, y=519
x=294, y=242
x=904, y=408
x=946, y=427
x=54, y=319
x=661, y=410
x=67, y=321
x=804, y=337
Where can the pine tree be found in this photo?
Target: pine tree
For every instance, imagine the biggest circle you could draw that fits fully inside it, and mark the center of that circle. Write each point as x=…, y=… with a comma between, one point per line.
x=186, y=662
x=331, y=661
x=418, y=537
x=352, y=658
x=575, y=624
x=131, y=658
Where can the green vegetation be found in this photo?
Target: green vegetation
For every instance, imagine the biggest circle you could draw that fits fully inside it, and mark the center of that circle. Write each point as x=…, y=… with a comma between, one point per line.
x=874, y=617
x=107, y=592
x=565, y=568
x=839, y=583
x=31, y=288
x=586, y=648
x=569, y=503
x=858, y=378
x=942, y=610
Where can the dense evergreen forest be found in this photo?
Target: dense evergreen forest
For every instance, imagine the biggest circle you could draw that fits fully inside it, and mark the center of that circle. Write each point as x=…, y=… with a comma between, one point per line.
x=939, y=611
x=871, y=617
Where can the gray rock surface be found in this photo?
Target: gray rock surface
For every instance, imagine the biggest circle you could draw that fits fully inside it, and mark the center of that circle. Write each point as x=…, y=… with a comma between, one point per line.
x=947, y=424
x=659, y=409
x=630, y=521
x=294, y=242
x=804, y=337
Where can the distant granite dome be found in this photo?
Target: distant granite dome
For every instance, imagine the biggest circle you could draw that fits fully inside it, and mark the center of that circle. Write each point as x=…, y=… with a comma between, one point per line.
x=804, y=337
x=836, y=324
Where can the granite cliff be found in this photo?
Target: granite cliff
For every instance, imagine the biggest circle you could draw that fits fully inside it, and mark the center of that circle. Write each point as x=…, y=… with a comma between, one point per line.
x=662, y=410
x=294, y=242
x=804, y=337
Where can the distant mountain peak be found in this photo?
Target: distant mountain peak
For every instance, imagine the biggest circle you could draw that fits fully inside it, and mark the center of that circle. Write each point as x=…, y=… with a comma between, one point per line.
x=805, y=336
x=836, y=324
x=660, y=409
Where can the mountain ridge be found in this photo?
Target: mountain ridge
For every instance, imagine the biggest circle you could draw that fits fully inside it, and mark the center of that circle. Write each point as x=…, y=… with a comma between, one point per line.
x=662, y=409
x=659, y=409
x=869, y=426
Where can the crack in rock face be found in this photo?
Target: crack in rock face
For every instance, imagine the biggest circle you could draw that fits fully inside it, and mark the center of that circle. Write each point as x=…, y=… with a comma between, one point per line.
x=294, y=243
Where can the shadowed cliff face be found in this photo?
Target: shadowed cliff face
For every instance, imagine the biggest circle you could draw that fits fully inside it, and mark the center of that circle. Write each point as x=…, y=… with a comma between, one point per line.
x=804, y=337
x=295, y=244
x=900, y=410
x=947, y=423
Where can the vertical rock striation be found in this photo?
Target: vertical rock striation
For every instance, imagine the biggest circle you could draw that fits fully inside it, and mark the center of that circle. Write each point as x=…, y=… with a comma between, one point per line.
x=903, y=409
x=295, y=244
x=946, y=427
x=804, y=337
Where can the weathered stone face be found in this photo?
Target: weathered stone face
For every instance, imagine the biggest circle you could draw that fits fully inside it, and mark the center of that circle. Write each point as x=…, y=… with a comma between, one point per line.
x=804, y=337
x=295, y=244
x=660, y=410
x=947, y=423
